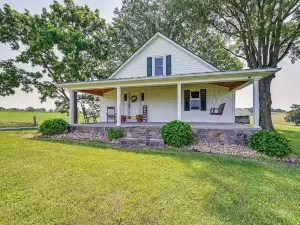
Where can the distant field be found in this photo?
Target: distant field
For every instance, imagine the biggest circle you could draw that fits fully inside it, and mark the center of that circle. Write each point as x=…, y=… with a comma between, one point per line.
x=278, y=118
x=25, y=119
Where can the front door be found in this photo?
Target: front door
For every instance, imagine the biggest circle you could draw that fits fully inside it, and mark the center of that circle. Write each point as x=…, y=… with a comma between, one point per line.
x=134, y=105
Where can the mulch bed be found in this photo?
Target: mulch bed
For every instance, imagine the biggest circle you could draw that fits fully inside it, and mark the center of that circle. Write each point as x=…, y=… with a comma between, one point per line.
x=223, y=148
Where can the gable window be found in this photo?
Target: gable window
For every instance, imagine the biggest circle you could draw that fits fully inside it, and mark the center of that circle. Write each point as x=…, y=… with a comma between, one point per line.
x=159, y=66
x=195, y=100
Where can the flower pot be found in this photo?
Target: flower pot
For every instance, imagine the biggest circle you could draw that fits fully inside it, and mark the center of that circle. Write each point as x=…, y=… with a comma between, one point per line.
x=139, y=119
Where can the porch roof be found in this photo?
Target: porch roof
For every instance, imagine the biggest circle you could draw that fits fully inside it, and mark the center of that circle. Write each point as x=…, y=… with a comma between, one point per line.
x=237, y=78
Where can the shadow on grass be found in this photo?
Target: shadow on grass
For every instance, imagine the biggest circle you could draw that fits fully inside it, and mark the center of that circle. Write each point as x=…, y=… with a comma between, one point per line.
x=245, y=191
x=179, y=155
x=294, y=137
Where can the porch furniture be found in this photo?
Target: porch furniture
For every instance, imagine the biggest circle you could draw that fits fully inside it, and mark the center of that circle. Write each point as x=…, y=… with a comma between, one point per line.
x=217, y=111
x=144, y=113
x=89, y=114
x=111, y=113
x=215, y=102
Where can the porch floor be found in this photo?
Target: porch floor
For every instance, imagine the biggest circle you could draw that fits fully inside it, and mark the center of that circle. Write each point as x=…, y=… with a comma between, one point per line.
x=220, y=126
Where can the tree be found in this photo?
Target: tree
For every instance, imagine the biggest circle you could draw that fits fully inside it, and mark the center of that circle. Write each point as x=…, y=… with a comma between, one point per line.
x=138, y=20
x=66, y=42
x=262, y=33
x=30, y=109
x=293, y=116
x=295, y=106
x=12, y=77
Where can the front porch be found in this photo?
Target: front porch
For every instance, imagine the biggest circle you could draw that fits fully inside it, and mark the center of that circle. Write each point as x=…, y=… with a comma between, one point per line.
x=189, y=98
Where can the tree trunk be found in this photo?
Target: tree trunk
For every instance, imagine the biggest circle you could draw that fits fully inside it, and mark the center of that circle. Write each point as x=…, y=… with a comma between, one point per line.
x=265, y=102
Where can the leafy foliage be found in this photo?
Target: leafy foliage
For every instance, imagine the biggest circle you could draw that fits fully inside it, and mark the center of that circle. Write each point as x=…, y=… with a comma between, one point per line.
x=270, y=143
x=66, y=43
x=177, y=134
x=114, y=134
x=53, y=126
x=293, y=116
x=138, y=20
x=12, y=77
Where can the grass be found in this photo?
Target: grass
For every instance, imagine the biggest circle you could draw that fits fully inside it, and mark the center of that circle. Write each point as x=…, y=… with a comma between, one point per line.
x=293, y=134
x=46, y=182
x=25, y=119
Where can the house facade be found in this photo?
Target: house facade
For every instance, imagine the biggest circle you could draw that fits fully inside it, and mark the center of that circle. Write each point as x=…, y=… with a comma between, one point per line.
x=163, y=82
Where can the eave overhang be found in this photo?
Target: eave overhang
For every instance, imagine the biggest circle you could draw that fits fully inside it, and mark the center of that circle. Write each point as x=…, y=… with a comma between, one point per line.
x=238, y=77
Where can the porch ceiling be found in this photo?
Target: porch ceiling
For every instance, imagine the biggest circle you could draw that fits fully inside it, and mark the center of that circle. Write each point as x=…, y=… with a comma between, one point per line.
x=230, y=85
x=97, y=92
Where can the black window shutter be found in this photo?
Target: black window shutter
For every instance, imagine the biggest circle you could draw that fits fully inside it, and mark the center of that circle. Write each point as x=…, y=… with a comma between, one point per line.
x=149, y=66
x=168, y=65
x=187, y=96
x=203, y=99
x=142, y=97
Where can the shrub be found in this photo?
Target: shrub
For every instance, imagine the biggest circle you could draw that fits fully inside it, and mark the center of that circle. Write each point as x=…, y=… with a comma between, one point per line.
x=270, y=143
x=177, y=134
x=53, y=126
x=293, y=116
x=114, y=134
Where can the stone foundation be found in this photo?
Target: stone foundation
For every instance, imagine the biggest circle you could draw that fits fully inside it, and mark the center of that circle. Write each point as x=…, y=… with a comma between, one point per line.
x=133, y=136
x=143, y=136
x=239, y=136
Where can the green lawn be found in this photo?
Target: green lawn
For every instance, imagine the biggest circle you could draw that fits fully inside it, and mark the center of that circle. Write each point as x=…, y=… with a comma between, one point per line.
x=293, y=134
x=46, y=182
x=24, y=119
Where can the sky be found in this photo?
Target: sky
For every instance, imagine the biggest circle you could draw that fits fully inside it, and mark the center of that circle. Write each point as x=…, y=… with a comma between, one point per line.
x=285, y=87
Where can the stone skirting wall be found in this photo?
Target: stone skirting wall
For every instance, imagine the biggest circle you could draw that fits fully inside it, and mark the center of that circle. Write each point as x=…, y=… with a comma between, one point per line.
x=150, y=136
x=133, y=136
x=234, y=136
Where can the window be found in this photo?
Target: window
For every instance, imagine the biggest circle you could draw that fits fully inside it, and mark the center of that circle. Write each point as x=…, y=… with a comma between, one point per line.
x=159, y=66
x=195, y=100
x=125, y=97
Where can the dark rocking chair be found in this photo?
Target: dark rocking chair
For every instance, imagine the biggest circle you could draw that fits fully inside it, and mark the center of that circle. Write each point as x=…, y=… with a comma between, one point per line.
x=88, y=114
x=111, y=113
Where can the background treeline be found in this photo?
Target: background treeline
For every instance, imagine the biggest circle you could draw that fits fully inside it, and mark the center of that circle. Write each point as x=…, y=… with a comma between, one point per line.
x=28, y=109
x=272, y=110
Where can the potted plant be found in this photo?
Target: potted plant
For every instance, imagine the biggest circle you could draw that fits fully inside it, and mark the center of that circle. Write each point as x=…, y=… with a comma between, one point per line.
x=123, y=118
x=139, y=118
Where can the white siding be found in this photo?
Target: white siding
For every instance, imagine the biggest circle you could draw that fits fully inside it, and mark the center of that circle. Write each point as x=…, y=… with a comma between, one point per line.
x=182, y=61
x=162, y=104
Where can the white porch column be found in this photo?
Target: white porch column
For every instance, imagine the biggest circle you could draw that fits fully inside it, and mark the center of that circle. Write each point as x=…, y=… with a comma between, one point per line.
x=72, y=107
x=118, y=106
x=179, y=101
x=256, y=103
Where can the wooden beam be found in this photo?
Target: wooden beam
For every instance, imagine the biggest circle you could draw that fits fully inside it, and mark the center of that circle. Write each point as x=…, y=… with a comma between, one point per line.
x=98, y=92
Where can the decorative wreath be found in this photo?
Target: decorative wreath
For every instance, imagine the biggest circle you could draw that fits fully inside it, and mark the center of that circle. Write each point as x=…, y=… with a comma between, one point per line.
x=133, y=98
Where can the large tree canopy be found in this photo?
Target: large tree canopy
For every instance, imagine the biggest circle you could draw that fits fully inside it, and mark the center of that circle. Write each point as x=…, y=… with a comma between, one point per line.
x=261, y=32
x=67, y=42
x=138, y=20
